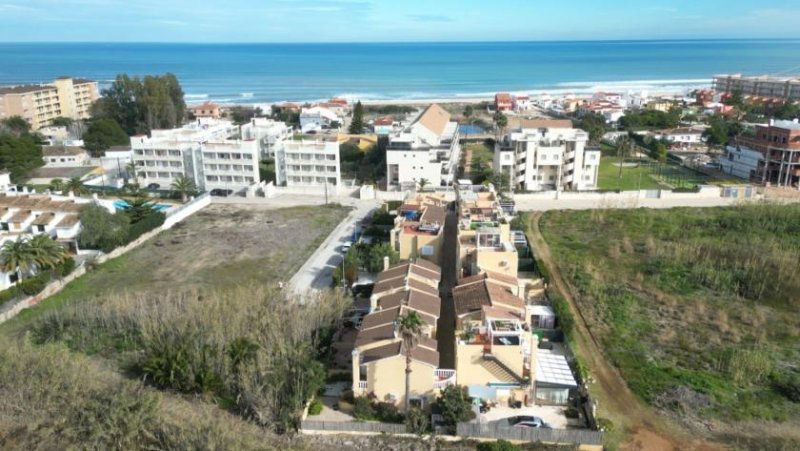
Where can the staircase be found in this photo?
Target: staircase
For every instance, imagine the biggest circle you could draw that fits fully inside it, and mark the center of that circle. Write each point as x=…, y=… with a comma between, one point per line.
x=500, y=371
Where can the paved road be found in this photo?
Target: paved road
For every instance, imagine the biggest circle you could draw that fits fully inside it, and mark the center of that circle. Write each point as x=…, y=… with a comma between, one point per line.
x=316, y=272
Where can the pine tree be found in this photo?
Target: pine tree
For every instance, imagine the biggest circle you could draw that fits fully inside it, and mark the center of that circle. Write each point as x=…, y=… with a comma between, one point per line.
x=357, y=124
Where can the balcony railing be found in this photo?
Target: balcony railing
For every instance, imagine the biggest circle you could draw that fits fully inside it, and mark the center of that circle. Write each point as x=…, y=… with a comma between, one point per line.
x=443, y=378
x=362, y=385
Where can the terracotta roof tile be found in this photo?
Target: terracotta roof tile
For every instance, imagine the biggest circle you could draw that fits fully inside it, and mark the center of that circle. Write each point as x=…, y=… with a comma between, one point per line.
x=416, y=300
x=435, y=119
x=418, y=353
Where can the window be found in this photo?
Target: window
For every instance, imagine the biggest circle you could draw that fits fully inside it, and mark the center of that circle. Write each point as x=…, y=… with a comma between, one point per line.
x=427, y=251
x=552, y=177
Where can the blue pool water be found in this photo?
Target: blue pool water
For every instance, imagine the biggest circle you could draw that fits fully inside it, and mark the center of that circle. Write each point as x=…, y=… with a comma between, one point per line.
x=122, y=205
x=470, y=130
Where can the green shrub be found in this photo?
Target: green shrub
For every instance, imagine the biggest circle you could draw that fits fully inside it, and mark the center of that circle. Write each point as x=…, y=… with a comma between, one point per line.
x=7, y=295
x=315, y=408
x=787, y=386
x=571, y=412
x=604, y=424
x=500, y=445
x=418, y=421
x=35, y=284
x=387, y=413
x=146, y=224
x=66, y=267
x=564, y=315
x=362, y=409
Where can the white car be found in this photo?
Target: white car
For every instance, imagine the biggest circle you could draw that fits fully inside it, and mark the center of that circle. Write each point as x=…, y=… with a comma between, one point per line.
x=346, y=246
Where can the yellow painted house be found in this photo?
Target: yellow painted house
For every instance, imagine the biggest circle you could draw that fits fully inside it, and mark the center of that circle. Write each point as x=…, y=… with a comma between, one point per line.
x=419, y=228
x=379, y=358
x=494, y=346
x=485, y=241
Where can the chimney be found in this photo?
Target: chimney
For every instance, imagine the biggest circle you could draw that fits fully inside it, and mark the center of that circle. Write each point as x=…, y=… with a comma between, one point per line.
x=373, y=303
x=386, y=263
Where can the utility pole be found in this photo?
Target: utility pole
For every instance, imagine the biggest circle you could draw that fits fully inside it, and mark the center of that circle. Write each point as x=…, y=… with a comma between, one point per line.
x=326, y=196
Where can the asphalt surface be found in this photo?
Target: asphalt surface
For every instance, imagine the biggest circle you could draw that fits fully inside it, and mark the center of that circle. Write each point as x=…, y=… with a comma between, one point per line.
x=446, y=325
x=316, y=272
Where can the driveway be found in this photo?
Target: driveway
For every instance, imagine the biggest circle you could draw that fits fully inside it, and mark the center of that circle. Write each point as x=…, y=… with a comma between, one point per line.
x=552, y=415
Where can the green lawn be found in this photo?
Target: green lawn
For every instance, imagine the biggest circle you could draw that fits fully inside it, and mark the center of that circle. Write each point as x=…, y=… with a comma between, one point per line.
x=631, y=180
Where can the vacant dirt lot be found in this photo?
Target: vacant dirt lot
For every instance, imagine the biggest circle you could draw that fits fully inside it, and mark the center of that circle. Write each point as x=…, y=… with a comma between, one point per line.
x=220, y=246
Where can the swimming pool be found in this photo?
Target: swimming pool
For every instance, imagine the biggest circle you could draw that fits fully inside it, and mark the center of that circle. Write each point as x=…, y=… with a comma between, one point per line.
x=470, y=130
x=120, y=204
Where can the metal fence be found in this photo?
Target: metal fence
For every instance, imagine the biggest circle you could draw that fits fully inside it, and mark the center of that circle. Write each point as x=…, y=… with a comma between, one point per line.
x=560, y=436
x=334, y=426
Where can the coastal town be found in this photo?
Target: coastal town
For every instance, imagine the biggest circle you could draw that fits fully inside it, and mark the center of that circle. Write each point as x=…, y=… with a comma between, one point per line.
x=440, y=228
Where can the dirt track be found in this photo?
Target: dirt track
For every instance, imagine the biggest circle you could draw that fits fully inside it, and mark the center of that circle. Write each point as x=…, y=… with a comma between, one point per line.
x=645, y=429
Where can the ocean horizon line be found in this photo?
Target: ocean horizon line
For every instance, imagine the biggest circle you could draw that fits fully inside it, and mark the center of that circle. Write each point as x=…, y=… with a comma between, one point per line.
x=501, y=41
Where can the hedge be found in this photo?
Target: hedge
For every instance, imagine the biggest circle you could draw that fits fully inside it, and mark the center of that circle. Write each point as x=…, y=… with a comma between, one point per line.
x=145, y=225
x=35, y=284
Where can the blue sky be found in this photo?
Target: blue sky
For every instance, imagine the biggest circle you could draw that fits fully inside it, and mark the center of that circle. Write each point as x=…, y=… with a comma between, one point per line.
x=392, y=20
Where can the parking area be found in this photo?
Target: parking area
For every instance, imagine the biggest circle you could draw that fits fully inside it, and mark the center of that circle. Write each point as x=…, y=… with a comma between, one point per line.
x=551, y=415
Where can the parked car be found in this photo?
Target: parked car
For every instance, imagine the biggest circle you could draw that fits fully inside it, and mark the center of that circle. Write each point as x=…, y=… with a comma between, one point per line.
x=526, y=421
x=221, y=192
x=346, y=246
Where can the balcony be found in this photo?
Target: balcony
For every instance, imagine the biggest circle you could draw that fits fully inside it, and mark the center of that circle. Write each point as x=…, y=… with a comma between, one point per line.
x=443, y=378
x=362, y=385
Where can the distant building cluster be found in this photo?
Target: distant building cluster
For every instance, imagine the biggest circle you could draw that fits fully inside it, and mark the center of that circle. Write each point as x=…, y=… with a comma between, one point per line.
x=39, y=104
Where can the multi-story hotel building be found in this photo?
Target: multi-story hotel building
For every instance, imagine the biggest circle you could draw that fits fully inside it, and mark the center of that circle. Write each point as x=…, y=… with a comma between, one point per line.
x=548, y=155
x=771, y=156
x=40, y=104
x=427, y=149
x=786, y=88
x=208, y=151
x=308, y=164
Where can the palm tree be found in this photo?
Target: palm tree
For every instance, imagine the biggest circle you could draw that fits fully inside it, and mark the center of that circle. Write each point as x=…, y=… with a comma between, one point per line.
x=501, y=121
x=17, y=256
x=423, y=182
x=410, y=329
x=46, y=252
x=56, y=184
x=76, y=186
x=184, y=186
x=624, y=146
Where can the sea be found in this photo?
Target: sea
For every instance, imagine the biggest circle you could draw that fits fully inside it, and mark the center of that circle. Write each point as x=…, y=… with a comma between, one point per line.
x=267, y=73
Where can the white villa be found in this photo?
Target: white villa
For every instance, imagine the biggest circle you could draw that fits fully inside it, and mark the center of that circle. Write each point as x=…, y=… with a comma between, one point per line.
x=269, y=134
x=427, y=149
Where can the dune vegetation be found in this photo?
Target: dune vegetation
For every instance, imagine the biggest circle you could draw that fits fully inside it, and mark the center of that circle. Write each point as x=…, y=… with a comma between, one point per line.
x=698, y=308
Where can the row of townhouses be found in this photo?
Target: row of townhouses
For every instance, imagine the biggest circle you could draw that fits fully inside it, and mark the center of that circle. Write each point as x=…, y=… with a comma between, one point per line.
x=24, y=215
x=496, y=354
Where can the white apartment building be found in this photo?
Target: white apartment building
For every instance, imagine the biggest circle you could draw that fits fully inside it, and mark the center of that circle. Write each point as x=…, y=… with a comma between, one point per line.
x=269, y=134
x=308, y=164
x=741, y=161
x=548, y=155
x=427, y=149
x=208, y=151
x=682, y=136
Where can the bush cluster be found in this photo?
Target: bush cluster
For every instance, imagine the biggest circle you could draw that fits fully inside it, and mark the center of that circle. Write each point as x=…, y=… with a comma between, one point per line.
x=254, y=349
